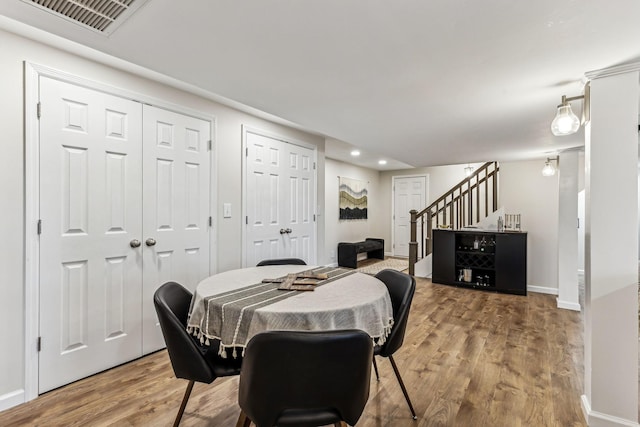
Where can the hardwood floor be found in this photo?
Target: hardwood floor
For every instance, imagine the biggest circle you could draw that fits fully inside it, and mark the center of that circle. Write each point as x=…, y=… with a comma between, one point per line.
x=470, y=358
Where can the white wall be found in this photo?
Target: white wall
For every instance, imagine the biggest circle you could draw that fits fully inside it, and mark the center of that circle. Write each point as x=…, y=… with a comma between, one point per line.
x=524, y=190
x=353, y=230
x=441, y=179
x=581, y=220
x=568, y=231
x=611, y=250
x=581, y=212
x=15, y=50
x=11, y=225
x=581, y=170
x=379, y=224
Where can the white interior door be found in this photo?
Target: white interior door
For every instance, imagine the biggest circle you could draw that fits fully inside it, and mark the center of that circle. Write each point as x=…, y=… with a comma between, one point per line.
x=90, y=203
x=408, y=193
x=176, y=207
x=108, y=165
x=280, y=200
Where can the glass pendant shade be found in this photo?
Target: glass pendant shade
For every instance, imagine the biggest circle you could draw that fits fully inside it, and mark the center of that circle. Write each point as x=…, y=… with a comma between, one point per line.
x=565, y=122
x=548, y=169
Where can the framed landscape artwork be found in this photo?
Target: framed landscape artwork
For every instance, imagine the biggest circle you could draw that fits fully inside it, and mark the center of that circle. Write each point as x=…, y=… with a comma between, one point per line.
x=353, y=198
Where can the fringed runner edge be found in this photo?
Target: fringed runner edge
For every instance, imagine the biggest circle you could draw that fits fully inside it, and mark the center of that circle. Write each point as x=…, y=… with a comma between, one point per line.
x=222, y=350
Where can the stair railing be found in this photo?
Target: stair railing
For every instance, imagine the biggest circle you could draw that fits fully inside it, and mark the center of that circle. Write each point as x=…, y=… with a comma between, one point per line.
x=465, y=204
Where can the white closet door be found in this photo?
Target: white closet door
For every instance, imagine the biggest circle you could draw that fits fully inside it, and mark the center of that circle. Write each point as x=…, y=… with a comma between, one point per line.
x=90, y=201
x=280, y=199
x=408, y=193
x=176, y=207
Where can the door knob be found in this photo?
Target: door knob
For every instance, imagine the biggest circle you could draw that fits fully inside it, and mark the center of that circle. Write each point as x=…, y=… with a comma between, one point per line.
x=283, y=231
x=150, y=241
x=288, y=230
x=135, y=243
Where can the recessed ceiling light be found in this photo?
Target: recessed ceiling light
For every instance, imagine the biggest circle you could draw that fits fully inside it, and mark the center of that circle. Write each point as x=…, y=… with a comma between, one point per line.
x=355, y=153
x=382, y=162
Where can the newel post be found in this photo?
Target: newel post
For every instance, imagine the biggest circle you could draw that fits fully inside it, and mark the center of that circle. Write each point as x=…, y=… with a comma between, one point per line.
x=413, y=243
x=429, y=241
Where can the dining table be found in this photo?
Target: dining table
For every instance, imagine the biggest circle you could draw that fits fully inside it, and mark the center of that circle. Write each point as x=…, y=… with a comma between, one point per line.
x=235, y=305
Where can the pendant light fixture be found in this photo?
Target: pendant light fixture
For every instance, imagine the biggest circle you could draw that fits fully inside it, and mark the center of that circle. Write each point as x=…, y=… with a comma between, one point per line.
x=468, y=170
x=549, y=169
x=565, y=121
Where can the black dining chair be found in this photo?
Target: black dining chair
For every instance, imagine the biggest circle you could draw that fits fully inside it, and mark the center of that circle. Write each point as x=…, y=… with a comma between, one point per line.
x=305, y=378
x=401, y=287
x=189, y=359
x=281, y=261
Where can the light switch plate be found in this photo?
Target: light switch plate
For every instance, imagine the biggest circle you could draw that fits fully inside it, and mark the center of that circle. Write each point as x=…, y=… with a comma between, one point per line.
x=226, y=210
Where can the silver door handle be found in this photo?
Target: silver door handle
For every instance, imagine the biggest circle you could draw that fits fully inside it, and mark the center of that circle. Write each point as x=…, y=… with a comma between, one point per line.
x=150, y=241
x=283, y=231
x=135, y=243
x=288, y=230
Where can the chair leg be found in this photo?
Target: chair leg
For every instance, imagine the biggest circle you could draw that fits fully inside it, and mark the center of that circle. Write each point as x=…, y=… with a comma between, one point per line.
x=404, y=390
x=187, y=393
x=243, y=420
x=375, y=368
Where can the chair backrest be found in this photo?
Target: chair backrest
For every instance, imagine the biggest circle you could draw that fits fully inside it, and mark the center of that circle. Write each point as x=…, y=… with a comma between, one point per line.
x=172, y=302
x=281, y=261
x=401, y=287
x=306, y=377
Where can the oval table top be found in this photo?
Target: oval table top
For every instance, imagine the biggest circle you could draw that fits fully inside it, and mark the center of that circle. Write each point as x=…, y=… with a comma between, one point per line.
x=235, y=305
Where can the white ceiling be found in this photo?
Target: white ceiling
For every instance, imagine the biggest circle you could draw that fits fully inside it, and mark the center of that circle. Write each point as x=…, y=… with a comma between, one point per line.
x=424, y=82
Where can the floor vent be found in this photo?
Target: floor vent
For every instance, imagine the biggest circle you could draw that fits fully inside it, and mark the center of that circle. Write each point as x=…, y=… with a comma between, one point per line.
x=102, y=16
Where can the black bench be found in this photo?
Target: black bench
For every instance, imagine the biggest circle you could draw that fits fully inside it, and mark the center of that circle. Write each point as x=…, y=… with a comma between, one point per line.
x=348, y=252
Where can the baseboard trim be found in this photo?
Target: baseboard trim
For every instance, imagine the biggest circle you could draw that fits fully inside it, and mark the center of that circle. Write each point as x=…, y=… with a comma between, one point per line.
x=11, y=399
x=568, y=305
x=542, y=290
x=598, y=419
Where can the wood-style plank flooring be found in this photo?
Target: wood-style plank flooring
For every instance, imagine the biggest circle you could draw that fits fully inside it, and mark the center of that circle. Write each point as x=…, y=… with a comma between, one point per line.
x=470, y=358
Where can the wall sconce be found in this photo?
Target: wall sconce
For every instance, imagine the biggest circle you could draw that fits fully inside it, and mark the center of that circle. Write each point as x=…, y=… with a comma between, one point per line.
x=468, y=170
x=549, y=169
x=566, y=122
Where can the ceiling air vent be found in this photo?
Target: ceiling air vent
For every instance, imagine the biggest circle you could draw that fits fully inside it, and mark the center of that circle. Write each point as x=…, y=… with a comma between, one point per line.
x=103, y=16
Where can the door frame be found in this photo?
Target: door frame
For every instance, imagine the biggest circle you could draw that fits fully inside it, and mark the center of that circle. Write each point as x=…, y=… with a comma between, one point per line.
x=249, y=129
x=32, y=74
x=393, y=203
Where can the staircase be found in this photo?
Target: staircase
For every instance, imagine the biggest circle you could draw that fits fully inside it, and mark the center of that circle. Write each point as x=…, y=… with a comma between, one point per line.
x=467, y=203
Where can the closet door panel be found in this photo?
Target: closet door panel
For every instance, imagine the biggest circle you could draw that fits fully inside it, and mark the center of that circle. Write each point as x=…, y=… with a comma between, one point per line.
x=90, y=208
x=176, y=207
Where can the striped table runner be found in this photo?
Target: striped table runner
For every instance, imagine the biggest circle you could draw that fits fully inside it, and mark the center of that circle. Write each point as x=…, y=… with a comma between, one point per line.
x=227, y=316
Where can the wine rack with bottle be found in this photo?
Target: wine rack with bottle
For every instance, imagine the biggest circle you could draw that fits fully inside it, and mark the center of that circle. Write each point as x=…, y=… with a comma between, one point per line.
x=495, y=261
